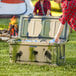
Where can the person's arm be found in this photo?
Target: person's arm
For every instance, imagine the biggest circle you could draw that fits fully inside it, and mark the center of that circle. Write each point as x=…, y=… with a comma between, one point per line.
x=49, y=8
x=65, y=17
x=56, y=38
x=59, y=32
x=66, y=12
x=48, y=13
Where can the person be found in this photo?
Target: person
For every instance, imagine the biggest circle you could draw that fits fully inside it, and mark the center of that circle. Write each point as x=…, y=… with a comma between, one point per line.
x=69, y=16
x=43, y=7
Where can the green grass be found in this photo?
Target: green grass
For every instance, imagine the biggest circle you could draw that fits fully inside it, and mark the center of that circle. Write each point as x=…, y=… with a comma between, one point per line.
x=4, y=23
x=14, y=69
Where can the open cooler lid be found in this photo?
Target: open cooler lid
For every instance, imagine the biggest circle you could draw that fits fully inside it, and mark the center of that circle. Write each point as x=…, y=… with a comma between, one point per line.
x=34, y=29
x=41, y=26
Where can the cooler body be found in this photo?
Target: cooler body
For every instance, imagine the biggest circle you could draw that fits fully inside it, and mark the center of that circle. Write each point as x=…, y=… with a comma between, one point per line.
x=37, y=52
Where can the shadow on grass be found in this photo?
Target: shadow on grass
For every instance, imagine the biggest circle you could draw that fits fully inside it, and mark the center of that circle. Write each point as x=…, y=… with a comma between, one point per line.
x=69, y=62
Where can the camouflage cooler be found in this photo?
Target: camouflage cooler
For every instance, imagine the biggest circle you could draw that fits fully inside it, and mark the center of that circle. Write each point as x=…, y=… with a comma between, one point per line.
x=33, y=43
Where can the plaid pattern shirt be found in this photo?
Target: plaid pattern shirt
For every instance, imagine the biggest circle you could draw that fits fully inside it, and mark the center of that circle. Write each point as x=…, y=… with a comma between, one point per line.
x=69, y=13
x=46, y=6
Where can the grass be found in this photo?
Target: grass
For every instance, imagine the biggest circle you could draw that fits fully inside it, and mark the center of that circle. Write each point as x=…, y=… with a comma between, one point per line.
x=14, y=69
x=4, y=23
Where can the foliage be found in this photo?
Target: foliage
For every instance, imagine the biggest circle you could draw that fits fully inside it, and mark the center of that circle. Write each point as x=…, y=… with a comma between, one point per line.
x=4, y=23
x=14, y=52
x=32, y=56
x=3, y=26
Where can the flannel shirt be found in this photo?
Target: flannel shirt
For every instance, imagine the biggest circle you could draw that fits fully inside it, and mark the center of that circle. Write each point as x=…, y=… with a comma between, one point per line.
x=46, y=7
x=69, y=13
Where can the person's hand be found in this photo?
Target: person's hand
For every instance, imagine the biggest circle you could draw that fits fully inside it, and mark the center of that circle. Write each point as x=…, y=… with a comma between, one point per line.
x=48, y=13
